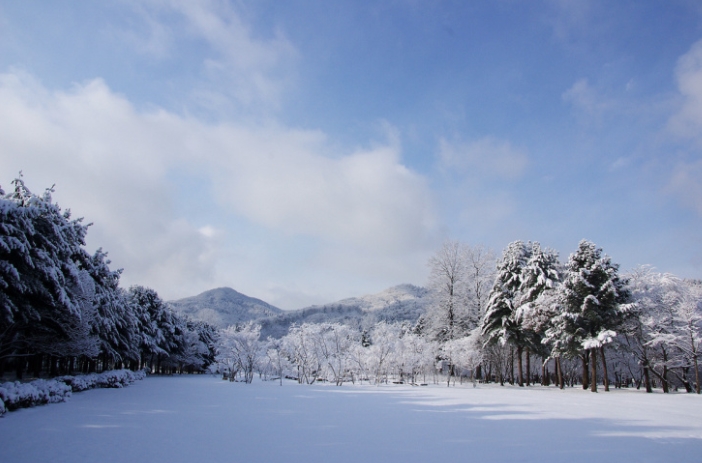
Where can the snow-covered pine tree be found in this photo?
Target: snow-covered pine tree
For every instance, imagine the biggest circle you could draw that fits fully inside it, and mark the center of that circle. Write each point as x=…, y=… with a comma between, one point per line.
x=147, y=307
x=540, y=280
x=592, y=297
x=501, y=323
x=115, y=324
x=39, y=276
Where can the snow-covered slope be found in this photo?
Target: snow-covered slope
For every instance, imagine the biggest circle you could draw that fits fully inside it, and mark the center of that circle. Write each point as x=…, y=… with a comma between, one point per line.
x=399, y=303
x=223, y=307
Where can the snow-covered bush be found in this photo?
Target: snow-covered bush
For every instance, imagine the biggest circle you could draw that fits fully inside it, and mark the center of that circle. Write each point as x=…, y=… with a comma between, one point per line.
x=21, y=395
x=81, y=382
x=116, y=378
x=14, y=395
x=113, y=378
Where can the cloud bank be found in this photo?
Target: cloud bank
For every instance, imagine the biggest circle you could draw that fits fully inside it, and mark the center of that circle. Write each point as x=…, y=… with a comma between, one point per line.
x=122, y=168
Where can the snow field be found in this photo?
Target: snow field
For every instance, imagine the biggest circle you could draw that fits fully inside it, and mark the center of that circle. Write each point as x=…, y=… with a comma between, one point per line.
x=202, y=418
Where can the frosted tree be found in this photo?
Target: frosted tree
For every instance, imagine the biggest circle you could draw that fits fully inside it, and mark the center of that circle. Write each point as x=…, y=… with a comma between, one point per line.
x=466, y=352
x=299, y=343
x=241, y=350
x=649, y=327
x=480, y=275
x=332, y=343
x=416, y=354
x=447, y=314
x=688, y=320
x=278, y=358
x=381, y=352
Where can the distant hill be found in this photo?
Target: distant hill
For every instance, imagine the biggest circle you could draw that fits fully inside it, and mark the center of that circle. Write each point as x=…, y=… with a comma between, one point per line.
x=223, y=307
x=396, y=304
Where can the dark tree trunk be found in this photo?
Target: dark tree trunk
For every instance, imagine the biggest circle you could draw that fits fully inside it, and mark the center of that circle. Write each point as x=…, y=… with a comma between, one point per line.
x=647, y=379
x=528, y=367
x=586, y=379
x=593, y=368
x=520, y=373
x=604, y=369
x=53, y=366
x=19, y=367
x=664, y=378
x=559, y=373
x=36, y=362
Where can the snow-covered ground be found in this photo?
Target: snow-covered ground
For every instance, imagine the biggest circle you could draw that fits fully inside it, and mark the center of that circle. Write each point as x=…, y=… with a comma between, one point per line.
x=202, y=418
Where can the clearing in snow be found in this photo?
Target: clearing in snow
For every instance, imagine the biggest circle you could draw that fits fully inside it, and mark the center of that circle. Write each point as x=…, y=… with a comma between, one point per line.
x=202, y=418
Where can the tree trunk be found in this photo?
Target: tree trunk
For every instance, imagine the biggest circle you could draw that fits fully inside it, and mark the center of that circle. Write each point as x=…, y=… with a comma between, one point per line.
x=586, y=380
x=593, y=368
x=647, y=379
x=664, y=379
x=544, y=373
x=604, y=369
x=528, y=368
x=19, y=367
x=697, y=374
x=36, y=362
x=519, y=364
x=559, y=373
x=53, y=367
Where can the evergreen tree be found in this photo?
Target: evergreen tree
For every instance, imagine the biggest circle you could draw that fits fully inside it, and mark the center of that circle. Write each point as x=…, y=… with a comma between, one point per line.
x=501, y=322
x=41, y=282
x=592, y=297
x=540, y=281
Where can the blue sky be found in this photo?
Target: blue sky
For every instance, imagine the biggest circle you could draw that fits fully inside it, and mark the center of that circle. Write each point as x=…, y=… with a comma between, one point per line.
x=306, y=151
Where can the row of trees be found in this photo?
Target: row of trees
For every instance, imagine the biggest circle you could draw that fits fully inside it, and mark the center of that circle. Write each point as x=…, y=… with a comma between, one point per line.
x=329, y=352
x=61, y=308
x=520, y=318
x=646, y=322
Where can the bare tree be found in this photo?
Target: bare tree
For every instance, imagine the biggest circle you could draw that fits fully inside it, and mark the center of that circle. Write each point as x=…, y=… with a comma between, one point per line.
x=480, y=275
x=448, y=314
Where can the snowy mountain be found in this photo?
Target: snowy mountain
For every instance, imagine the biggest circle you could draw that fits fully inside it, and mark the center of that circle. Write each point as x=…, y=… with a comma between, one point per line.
x=399, y=303
x=223, y=307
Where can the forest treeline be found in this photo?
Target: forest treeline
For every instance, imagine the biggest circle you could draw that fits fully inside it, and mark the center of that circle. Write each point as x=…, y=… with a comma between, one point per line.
x=62, y=309
x=524, y=317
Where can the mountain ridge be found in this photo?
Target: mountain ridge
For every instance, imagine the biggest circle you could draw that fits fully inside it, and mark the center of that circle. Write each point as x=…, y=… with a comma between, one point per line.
x=225, y=306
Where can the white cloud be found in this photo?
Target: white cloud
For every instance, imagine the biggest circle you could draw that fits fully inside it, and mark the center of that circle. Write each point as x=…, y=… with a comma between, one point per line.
x=687, y=121
x=115, y=165
x=488, y=156
x=569, y=19
x=236, y=67
x=685, y=125
x=585, y=98
x=686, y=183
